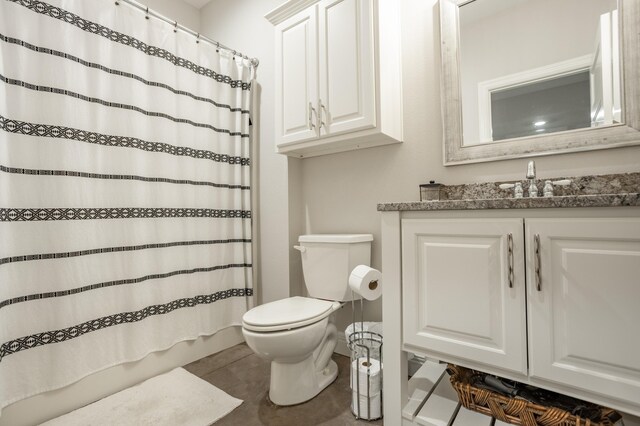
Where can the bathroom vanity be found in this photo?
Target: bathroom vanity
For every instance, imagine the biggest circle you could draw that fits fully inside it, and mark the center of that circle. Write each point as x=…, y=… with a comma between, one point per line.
x=544, y=291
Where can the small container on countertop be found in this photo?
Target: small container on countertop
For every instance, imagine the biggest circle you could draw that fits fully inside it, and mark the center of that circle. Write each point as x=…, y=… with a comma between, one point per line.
x=432, y=191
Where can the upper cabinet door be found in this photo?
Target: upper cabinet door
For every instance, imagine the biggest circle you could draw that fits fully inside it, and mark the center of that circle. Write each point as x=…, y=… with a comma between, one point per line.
x=296, y=78
x=584, y=304
x=346, y=65
x=464, y=290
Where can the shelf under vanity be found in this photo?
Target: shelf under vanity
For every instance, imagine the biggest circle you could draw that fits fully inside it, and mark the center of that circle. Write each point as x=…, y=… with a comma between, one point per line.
x=433, y=402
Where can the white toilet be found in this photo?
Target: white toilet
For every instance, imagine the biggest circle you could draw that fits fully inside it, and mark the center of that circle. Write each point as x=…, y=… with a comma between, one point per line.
x=297, y=334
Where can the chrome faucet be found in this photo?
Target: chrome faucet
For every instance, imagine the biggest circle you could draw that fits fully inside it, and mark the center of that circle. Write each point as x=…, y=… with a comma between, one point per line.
x=531, y=176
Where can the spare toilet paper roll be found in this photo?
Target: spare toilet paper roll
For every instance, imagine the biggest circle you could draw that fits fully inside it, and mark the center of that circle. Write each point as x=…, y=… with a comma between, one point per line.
x=372, y=326
x=365, y=371
x=366, y=281
x=371, y=411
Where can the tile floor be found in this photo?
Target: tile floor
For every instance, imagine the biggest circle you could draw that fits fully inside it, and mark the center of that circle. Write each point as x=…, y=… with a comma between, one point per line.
x=240, y=373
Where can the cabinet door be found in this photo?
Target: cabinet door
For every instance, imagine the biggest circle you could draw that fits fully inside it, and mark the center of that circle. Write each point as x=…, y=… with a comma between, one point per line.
x=585, y=312
x=460, y=301
x=296, y=78
x=347, y=68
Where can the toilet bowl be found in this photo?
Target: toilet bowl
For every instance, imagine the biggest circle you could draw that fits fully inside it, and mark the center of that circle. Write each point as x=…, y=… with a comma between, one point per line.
x=297, y=334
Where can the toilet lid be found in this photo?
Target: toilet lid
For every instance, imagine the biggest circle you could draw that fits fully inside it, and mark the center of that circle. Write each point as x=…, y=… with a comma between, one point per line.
x=288, y=313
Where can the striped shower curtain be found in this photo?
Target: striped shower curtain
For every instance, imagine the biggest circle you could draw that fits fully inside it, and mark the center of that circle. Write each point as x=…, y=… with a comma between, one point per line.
x=125, y=217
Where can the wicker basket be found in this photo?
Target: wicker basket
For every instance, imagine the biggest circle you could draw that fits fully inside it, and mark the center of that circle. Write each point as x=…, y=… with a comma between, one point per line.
x=515, y=410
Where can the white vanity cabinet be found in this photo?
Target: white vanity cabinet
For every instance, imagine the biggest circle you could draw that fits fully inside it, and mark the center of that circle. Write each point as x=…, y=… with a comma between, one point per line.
x=464, y=289
x=549, y=297
x=584, y=304
x=337, y=75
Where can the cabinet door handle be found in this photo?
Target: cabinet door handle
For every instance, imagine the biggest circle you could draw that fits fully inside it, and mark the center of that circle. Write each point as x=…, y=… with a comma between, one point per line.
x=510, y=258
x=537, y=263
x=311, y=111
x=320, y=109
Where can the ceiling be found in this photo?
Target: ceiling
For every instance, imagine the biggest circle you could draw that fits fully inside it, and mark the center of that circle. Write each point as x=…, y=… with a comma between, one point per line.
x=197, y=3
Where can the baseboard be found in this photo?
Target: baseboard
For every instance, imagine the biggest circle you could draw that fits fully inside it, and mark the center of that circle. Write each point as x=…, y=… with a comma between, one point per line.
x=48, y=405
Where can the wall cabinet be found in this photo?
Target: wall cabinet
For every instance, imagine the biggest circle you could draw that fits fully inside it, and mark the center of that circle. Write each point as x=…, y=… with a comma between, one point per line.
x=332, y=91
x=548, y=298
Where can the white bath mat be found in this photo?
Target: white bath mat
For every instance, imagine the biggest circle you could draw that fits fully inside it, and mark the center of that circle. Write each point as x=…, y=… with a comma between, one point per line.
x=174, y=398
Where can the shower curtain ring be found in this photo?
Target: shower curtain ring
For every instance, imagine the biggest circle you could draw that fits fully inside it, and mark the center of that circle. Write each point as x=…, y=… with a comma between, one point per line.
x=175, y=27
x=146, y=16
x=198, y=38
x=217, y=47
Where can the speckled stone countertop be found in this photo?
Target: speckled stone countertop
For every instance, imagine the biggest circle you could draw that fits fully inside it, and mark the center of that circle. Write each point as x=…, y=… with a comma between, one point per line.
x=617, y=190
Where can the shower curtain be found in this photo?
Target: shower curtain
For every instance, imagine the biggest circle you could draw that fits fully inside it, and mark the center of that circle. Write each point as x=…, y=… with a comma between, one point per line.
x=125, y=217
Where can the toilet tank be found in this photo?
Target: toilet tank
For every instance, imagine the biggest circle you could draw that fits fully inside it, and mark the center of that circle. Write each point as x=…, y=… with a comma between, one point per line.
x=327, y=262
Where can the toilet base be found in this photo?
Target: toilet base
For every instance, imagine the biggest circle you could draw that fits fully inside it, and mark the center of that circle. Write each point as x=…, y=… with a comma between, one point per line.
x=295, y=383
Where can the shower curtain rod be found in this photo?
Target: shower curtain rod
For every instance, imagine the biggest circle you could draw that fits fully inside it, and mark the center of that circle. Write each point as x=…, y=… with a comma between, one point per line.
x=253, y=61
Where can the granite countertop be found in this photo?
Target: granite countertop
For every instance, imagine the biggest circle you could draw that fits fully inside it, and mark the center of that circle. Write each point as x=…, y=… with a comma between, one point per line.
x=614, y=190
x=597, y=200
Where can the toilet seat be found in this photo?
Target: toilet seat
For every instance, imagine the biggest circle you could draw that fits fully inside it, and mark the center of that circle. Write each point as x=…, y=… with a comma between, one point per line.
x=286, y=314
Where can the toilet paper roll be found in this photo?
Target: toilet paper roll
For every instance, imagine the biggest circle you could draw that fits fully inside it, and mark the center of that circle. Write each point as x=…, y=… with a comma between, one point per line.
x=372, y=326
x=365, y=371
x=366, y=281
x=370, y=411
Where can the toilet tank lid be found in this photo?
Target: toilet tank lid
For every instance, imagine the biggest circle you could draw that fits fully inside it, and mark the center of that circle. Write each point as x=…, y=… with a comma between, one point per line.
x=335, y=238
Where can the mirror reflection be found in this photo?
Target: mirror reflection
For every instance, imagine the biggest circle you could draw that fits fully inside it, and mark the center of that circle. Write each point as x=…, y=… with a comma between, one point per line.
x=531, y=67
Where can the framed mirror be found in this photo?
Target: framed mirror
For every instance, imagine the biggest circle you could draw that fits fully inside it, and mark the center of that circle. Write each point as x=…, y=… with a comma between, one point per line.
x=522, y=78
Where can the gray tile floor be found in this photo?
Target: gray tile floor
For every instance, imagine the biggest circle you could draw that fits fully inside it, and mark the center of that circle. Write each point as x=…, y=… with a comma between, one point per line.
x=240, y=373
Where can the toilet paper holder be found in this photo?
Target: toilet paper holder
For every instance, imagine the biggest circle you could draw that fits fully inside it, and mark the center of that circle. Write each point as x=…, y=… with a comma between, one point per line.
x=365, y=348
x=373, y=285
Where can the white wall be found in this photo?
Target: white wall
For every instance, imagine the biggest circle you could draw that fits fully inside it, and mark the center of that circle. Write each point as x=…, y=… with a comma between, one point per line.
x=340, y=191
x=177, y=10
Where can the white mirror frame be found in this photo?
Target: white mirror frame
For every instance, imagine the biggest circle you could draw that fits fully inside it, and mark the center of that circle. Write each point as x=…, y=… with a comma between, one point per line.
x=618, y=135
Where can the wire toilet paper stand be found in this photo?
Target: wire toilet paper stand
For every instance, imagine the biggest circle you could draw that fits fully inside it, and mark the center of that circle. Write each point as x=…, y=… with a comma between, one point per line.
x=366, y=369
